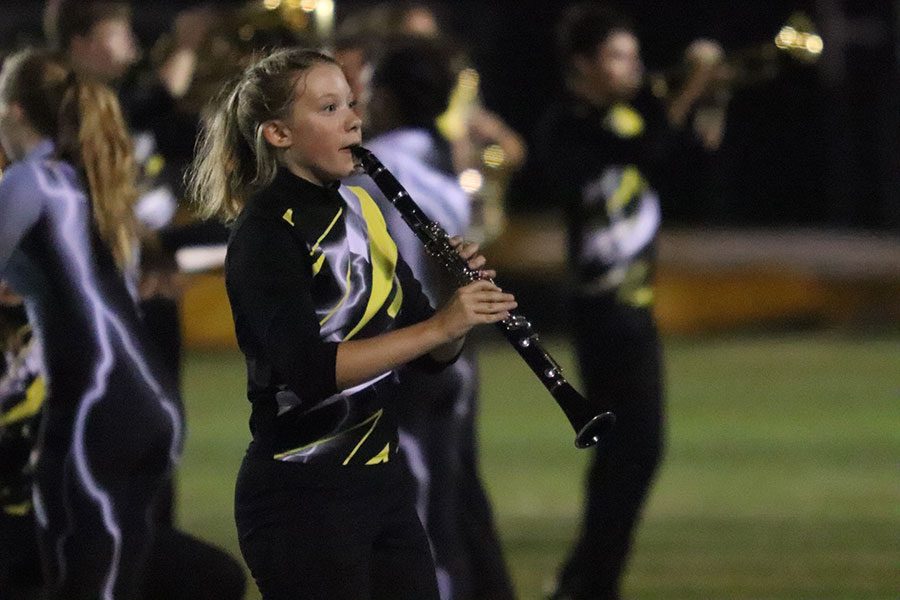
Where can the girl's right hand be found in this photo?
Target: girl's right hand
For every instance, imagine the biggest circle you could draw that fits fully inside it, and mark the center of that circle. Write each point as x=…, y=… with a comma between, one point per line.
x=478, y=302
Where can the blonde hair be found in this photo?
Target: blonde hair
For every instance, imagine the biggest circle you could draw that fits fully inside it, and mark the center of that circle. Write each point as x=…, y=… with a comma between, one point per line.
x=232, y=158
x=106, y=157
x=85, y=121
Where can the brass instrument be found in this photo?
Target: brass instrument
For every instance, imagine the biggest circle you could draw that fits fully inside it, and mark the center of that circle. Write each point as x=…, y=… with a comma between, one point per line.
x=240, y=32
x=484, y=167
x=796, y=39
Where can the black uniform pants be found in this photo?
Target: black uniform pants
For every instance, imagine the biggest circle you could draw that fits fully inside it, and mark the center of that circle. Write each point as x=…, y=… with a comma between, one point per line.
x=312, y=532
x=180, y=567
x=102, y=461
x=618, y=352
x=437, y=424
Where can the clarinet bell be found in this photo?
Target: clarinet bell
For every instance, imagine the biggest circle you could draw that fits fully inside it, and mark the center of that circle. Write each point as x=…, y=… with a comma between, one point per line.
x=595, y=430
x=591, y=423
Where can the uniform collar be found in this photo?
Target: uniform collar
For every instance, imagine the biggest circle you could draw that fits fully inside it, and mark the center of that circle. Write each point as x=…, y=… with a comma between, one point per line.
x=285, y=181
x=287, y=190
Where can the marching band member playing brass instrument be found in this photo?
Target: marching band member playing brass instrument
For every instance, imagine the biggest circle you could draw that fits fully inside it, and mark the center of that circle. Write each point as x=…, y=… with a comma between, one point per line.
x=485, y=150
x=600, y=159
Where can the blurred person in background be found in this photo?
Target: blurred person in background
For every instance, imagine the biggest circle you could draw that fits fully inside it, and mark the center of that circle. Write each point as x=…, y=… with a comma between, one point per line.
x=411, y=85
x=111, y=429
x=158, y=315
x=600, y=158
x=481, y=143
x=97, y=38
x=179, y=566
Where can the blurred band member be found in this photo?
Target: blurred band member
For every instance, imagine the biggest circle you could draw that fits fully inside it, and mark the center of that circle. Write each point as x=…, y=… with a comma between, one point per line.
x=411, y=85
x=601, y=158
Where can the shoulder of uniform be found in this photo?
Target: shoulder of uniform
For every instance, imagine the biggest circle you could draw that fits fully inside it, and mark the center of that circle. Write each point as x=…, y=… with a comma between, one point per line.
x=17, y=174
x=268, y=205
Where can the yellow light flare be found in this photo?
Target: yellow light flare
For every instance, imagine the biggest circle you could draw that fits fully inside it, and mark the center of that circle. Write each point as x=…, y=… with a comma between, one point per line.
x=787, y=37
x=471, y=181
x=493, y=156
x=814, y=44
x=325, y=17
x=271, y=4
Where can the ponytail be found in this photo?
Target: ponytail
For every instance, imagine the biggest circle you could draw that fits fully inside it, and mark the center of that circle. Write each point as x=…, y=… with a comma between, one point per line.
x=93, y=136
x=222, y=168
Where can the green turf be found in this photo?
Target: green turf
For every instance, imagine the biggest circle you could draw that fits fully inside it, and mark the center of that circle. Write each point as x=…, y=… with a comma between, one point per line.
x=780, y=481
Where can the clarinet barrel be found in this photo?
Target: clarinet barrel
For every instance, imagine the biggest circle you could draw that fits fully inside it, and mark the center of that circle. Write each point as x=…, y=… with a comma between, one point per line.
x=591, y=422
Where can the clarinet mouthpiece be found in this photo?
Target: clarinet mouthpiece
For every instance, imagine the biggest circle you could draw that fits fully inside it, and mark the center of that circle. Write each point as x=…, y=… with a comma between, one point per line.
x=359, y=152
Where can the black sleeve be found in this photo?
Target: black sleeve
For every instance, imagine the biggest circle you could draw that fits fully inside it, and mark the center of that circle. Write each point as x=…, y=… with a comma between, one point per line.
x=665, y=153
x=564, y=159
x=269, y=281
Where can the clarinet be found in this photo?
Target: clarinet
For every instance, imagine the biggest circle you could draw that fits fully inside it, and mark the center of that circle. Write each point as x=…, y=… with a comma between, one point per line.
x=591, y=423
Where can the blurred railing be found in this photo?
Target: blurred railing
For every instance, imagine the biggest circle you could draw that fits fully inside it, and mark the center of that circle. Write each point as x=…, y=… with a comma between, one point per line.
x=708, y=280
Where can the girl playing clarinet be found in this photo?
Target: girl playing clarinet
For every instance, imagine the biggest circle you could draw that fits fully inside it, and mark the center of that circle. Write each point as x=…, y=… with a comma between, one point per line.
x=325, y=310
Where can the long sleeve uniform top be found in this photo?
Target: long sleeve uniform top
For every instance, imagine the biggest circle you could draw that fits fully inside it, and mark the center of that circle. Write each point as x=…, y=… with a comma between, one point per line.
x=599, y=164
x=307, y=268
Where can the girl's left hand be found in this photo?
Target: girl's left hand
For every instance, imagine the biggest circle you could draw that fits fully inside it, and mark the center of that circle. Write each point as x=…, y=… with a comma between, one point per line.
x=468, y=251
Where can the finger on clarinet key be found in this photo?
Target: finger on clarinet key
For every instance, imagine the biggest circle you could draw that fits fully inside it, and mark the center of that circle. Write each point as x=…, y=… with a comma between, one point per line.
x=464, y=248
x=476, y=262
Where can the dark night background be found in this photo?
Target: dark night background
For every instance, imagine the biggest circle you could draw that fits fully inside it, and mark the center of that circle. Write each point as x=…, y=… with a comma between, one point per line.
x=814, y=146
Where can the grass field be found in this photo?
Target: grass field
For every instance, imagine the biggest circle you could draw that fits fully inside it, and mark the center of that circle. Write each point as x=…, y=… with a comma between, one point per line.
x=781, y=477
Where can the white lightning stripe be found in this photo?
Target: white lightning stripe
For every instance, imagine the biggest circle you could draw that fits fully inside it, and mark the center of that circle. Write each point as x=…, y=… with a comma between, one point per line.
x=72, y=236
x=418, y=466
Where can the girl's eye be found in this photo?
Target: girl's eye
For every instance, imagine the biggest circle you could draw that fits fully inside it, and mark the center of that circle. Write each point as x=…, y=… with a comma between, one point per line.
x=352, y=104
x=331, y=107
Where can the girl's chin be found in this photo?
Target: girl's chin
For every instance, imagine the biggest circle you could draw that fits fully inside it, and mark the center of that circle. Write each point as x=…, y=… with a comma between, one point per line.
x=337, y=175
x=350, y=167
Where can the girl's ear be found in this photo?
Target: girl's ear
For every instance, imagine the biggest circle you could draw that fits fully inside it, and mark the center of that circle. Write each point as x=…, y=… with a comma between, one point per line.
x=277, y=134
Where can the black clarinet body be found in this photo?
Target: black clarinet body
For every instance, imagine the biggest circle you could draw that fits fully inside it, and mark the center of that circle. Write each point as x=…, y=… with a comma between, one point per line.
x=590, y=422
